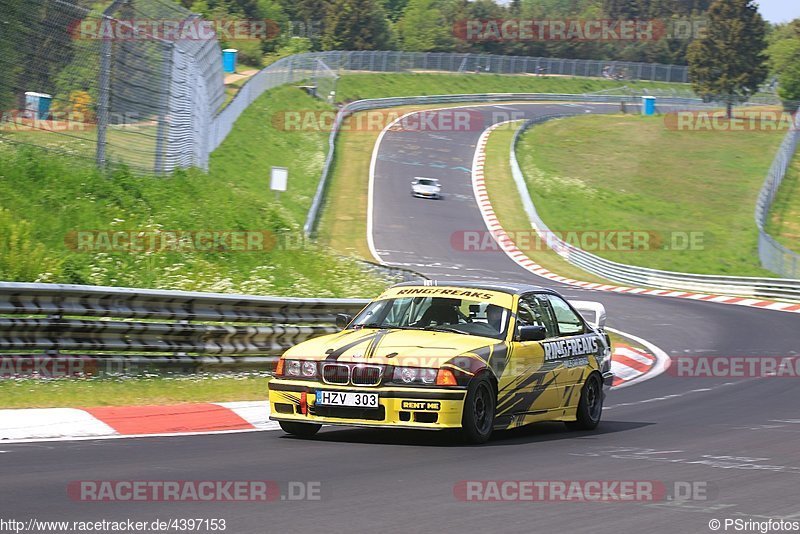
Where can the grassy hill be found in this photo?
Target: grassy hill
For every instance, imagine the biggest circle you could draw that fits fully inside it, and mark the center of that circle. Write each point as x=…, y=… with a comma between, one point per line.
x=784, y=220
x=631, y=173
x=46, y=199
x=359, y=86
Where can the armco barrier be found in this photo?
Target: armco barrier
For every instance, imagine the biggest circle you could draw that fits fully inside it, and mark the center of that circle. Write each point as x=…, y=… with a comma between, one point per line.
x=380, y=103
x=159, y=327
x=144, y=329
x=769, y=288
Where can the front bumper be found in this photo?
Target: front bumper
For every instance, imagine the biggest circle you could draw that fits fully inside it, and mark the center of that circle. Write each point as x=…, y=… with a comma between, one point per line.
x=420, y=194
x=400, y=407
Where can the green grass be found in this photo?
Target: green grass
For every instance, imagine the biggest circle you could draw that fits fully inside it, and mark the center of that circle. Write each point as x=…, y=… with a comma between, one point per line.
x=343, y=225
x=44, y=198
x=91, y=392
x=601, y=173
x=784, y=220
x=132, y=145
x=507, y=205
x=359, y=86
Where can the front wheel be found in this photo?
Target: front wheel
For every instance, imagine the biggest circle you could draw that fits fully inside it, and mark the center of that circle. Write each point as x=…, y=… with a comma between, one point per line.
x=477, y=421
x=301, y=430
x=590, y=407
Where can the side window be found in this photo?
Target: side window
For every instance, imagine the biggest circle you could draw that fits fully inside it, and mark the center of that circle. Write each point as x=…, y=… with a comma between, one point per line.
x=569, y=323
x=534, y=312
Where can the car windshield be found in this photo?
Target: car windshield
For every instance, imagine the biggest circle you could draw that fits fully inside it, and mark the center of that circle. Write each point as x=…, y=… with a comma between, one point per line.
x=462, y=316
x=427, y=182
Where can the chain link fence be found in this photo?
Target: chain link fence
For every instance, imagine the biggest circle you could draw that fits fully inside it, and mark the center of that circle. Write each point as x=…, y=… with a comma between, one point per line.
x=93, y=84
x=106, y=85
x=772, y=254
x=391, y=61
x=97, y=85
x=322, y=68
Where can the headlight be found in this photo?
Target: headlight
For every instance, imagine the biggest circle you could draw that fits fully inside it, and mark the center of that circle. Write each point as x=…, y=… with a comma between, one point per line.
x=414, y=375
x=309, y=369
x=428, y=376
x=292, y=368
x=408, y=374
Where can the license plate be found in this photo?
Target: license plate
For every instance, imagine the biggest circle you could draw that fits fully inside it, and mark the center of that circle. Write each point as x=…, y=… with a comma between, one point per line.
x=347, y=398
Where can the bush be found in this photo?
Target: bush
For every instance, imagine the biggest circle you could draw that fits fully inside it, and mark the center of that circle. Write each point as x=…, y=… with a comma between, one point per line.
x=22, y=259
x=249, y=52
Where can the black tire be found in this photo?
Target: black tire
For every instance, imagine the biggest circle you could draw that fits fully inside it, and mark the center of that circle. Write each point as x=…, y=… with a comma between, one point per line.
x=477, y=421
x=301, y=430
x=590, y=407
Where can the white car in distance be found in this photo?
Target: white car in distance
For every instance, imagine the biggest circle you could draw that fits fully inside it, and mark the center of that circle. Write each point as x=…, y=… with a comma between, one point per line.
x=426, y=188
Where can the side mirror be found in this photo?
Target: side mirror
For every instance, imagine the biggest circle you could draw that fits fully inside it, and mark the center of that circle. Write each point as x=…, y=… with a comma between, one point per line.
x=593, y=312
x=342, y=320
x=531, y=333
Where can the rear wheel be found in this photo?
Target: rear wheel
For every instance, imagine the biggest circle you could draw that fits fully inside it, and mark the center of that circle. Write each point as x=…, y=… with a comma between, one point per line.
x=477, y=420
x=590, y=407
x=301, y=430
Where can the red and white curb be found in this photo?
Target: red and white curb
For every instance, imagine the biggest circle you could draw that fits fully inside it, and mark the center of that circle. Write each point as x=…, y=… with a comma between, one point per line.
x=513, y=252
x=632, y=365
x=629, y=363
x=48, y=424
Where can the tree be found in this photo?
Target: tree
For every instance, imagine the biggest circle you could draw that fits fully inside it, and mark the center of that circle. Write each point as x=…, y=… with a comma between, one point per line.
x=12, y=53
x=356, y=25
x=728, y=62
x=784, y=63
x=394, y=8
x=423, y=28
x=621, y=9
x=306, y=17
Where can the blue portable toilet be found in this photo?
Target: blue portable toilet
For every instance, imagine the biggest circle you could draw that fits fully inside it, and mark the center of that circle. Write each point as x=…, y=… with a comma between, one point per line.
x=37, y=105
x=648, y=105
x=229, y=59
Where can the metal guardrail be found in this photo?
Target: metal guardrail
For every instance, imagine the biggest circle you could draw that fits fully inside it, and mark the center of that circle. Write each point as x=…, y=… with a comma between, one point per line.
x=771, y=288
x=378, y=103
x=159, y=327
x=119, y=330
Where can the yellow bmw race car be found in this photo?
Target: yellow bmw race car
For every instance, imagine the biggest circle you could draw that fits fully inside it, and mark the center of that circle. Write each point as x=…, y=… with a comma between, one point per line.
x=468, y=356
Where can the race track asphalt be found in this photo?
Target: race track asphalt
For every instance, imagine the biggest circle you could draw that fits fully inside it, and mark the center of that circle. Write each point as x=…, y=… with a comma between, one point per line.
x=737, y=438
